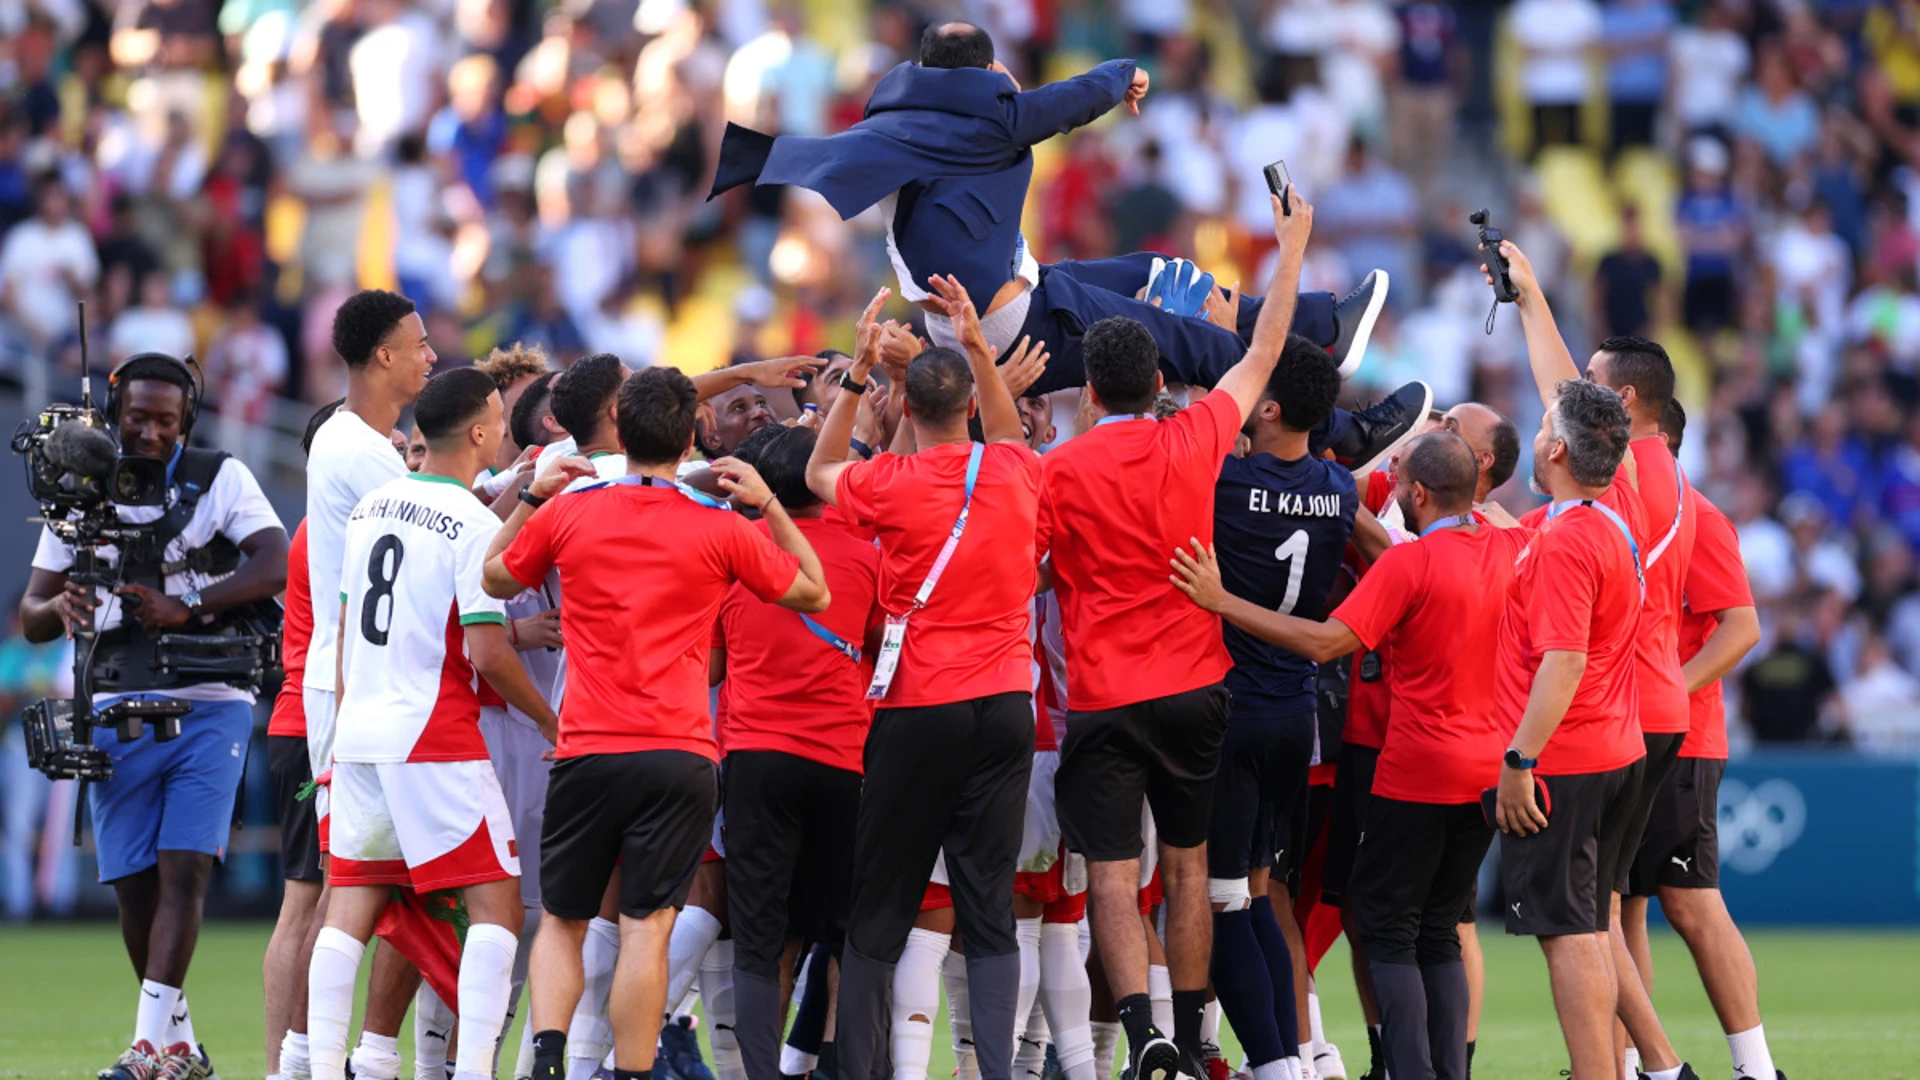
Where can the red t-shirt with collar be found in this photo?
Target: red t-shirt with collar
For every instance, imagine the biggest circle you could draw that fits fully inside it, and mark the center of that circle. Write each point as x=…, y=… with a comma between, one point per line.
x=1575, y=590
x=643, y=571
x=787, y=690
x=1114, y=503
x=1663, y=690
x=970, y=641
x=1716, y=581
x=296, y=630
x=1369, y=703
x=1444, y=733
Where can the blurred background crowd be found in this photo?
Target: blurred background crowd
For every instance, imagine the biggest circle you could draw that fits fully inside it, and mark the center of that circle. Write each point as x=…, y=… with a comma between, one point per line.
x=1739, y=179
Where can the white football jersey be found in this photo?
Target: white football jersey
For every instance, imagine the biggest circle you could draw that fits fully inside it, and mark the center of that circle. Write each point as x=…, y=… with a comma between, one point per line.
x=348, y=460
x=411, y=580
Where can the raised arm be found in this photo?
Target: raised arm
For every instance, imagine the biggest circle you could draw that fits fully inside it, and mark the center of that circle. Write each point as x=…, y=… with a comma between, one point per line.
x=999, y=420
x=1198, y=576
x=781, y=371
x=496, y=579
x=1057, y=108
x=808, y=593
x=830, y=450
x=1247, y=380
x=1547, y=351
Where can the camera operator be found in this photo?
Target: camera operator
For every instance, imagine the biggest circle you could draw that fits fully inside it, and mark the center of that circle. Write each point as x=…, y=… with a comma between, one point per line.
x=164, y=816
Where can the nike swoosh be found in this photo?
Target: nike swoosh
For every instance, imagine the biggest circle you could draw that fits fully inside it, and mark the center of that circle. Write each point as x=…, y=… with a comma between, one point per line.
x=149, y=993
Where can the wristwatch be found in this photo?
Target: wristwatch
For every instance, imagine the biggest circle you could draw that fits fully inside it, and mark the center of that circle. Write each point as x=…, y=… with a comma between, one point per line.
x=848, y=382
x=1516, y=760
x=191, y=598
x=527, y=496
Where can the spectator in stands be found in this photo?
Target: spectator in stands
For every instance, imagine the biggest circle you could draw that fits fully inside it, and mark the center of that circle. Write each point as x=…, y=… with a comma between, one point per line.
x=154, y=324
x=1785, y=692
x=1423, y=98
x=1708, y=61
x=1557, y=40
x=1713, y=232
x=1634, y=34
x=46, y=264
x=1776, y=114
x=1881, y=702
x=1831, y=465
x=1373, y=217
x=1627, y=298
x=1900, y=485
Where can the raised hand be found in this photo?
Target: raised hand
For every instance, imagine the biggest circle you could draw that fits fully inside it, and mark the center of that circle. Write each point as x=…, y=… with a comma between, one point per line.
x=564, y=471
x=1292, y=229
x=781, y=371
x=1519, y=271
x=898, y=347
x=742, y=481
x=1137, y=91
x=867, y=334
x=1025, y=366
x=951, y=299
x=1223, y=308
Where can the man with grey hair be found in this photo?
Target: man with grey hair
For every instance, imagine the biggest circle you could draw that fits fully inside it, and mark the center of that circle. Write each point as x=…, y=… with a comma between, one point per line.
x=1564, y=674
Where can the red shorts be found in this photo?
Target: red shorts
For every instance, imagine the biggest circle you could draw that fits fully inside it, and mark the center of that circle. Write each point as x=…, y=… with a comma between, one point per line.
x=1151, y=895
x=1044, y=887
x=712, y=855
x=938, y=897
x=1068, y=910
x=1321, y=775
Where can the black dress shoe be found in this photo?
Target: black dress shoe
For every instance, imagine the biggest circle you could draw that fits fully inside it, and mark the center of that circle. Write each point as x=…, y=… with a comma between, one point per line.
x=1372, y=434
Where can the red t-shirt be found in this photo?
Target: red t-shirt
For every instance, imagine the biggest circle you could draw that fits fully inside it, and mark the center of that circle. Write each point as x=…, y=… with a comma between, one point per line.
x=1444, y=734
x=1663, y=690
x=1114, y=503
x=1716, y=581
x=296, y=630
x=1369, y=703
x=1575, y=590
x=970, y=640
x=788, y=690
x=642, y=571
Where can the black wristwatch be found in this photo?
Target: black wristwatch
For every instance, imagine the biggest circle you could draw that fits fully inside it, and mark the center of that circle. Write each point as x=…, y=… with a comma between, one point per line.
x=527, y=496
x=848, y=382
x=1516, y=760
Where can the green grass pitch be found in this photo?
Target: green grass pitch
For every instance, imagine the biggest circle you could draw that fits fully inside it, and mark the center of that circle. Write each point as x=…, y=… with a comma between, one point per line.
x=1837, y=1004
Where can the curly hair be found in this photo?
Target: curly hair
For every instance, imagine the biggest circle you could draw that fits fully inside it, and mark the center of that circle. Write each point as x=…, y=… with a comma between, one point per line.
x=364, y=321
x=1123, y=364
x=1305, y=383
x=509, y=364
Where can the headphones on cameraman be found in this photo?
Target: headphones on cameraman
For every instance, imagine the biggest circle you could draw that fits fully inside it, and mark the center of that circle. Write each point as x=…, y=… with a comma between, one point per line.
x=189, y=367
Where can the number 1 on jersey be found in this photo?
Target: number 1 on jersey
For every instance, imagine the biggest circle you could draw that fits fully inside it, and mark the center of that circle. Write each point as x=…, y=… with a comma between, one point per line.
x=1292, y=552
x=383, y=575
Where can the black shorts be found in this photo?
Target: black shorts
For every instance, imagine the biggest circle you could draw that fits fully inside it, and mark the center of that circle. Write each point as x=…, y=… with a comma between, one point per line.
x=650, y=811
x=1556, y=881
x=1412, y=877
x=1352, y=788
x=1165, y=751
x=1663, y=751
x=789, y=830
x=1681, y=848
x=1256, y=794
x=299, y=824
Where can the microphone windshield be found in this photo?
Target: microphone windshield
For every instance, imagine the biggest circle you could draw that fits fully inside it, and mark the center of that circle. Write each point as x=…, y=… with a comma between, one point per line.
x=82, y=450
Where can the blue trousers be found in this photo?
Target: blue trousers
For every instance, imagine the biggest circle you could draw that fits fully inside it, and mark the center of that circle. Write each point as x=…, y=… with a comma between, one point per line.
x=1075, y=294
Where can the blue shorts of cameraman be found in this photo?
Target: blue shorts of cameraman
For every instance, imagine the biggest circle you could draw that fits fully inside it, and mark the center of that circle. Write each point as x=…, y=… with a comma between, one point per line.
x=170, y=796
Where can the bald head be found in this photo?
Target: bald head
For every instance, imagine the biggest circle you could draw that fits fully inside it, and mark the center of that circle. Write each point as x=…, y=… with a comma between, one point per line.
x=955, y=45
x=1494, y=440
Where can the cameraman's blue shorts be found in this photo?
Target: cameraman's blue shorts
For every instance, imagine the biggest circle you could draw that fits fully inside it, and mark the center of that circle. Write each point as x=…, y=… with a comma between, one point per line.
x=171, y=796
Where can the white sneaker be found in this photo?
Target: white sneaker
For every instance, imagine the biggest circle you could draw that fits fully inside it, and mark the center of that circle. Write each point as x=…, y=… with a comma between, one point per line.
x=1327, y=1063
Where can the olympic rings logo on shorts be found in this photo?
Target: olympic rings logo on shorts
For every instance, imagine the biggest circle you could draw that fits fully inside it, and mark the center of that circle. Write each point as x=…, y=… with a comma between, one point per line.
x=1758, y=823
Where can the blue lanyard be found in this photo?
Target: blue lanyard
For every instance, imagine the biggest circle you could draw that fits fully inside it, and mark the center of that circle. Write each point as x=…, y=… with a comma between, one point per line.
x=959, y=527
x=695, y=494
x=1105, y=420
x=845, y=647
x=1618, y=523
x=1447, y=523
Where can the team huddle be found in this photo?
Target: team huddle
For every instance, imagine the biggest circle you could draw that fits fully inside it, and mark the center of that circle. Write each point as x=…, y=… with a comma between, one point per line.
x=1110, y=740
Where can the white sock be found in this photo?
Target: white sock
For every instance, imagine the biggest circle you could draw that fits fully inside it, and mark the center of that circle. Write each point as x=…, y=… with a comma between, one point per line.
x=953, y=971
x=1067, y=996
x=1665, y=1074
x=1314, y=1025
x=1027, y=933
x=794, y=1062
x=1083, y=931
x=1295, y=1069
x=589, y=1034
x=377, y=1057
x=1160, y=996
x=716, y=992
x=1210, y=1024
x=1751, y=1058
x=523, y=1061
x=486, y=974
x=916, y=997
x=1632, y=1062
x=150, y=1020
x=1273, y=1070
x=180, y=1027
x=694, y=932
x=330, y=980
x=1106, y=1039
x=523, y=1058
x=432, y=1028
x=1030, y=1053
x=294, y=1064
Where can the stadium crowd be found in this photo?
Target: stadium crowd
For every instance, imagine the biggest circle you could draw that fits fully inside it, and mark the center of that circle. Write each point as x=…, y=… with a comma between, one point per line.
x=352, y=147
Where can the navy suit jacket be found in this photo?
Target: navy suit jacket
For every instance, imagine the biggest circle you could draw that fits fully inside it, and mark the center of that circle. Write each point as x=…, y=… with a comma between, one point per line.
x=956, y=143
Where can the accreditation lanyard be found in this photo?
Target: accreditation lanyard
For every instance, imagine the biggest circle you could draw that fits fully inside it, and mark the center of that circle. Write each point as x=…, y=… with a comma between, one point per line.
x=1447, y=523
x=1105, y=420
x=1673, y=530
x=845, y=647
x=1618, y=523
x=895, y=634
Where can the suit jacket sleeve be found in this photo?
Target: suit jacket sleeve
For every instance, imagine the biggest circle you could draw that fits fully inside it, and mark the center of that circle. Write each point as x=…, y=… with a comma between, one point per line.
x=1039, y=114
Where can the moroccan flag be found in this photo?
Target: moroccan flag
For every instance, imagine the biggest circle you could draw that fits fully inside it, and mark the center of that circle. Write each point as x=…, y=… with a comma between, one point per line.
x=429, y=931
